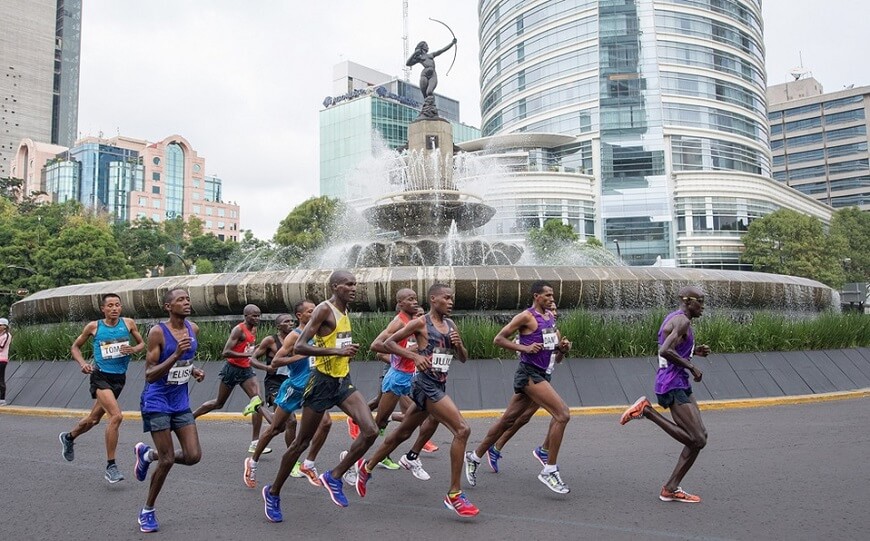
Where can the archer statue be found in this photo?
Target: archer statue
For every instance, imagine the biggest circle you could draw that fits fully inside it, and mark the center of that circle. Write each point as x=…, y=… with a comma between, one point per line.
x=428, y=78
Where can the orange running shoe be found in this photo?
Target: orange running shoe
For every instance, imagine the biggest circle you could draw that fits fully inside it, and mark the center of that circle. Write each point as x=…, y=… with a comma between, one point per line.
x=430, y=447
x=250, y=476
x=352, y=429
x=461, y=505
x=311, y=474
x=678, y=495
x=635, y=411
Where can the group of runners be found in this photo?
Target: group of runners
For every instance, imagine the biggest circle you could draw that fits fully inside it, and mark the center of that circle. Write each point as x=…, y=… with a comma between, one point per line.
x=307, y=369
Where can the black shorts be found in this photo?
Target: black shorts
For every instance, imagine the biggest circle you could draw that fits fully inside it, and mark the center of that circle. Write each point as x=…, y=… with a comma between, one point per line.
x=105, y=380
x=424, y=387
x=231, y=375
x=526, y=372
x=273, y=382
x=680, y=396
x=157, y=421
x=323, y=392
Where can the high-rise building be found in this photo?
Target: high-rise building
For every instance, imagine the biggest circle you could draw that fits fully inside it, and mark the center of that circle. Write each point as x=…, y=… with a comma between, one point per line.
x=668, y=96
x=819, y=141
x=40, y=44
x=370, y=108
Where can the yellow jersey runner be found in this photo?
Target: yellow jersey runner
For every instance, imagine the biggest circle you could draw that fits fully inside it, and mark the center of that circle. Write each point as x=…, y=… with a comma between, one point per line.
x=336, y=366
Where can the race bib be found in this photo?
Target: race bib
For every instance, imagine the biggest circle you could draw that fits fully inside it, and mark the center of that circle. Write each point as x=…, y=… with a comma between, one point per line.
x=312, y=362
x=663, y=363
x=550, y=338
x=441, y=359
x=112, y=350
x=179, y=375
x=343, y=339
x=283, y=370
x=411, y=343
x=552, y=365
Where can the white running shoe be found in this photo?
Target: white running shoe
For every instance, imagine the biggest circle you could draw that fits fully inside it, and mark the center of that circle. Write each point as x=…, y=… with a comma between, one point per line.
x=415, y=466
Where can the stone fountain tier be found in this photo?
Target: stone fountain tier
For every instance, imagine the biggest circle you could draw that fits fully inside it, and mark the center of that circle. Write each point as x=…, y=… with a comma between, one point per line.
x=428, y=212
x=429, y=252
x=476, y=289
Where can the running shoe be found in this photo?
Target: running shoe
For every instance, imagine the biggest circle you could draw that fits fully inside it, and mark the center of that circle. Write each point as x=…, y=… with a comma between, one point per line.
x=333, y=486
x=253, y=448
x=542, y=455
x=252, y=406
x=66, y=446
x=310, y=473
x=113, y=474
x=493, y=455
x=430, y=447
x=678, y=495
x=352, y=429
x=350, y=475
x=250, y=477
x=388, y=464
x=554, y=482
x=362, y=477
x=471, y=470
x=148, y=521
x=415, y=466
x=2, y=402
x=635, y=411
x=141, y=450
x=272, y=505
x=295, y=471
x=461, y=505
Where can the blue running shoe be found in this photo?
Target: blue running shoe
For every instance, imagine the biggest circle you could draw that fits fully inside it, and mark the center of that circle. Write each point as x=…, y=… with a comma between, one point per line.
x=148, y=521
x=333, y=486
x=542, y=455
x=493, y=456
x=273, y=505
x=142, y=464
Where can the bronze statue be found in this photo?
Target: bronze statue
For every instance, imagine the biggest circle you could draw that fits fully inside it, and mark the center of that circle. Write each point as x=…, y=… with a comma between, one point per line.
x=428, y=78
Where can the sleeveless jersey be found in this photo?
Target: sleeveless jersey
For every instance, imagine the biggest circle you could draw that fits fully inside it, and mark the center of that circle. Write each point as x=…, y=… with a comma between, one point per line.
x=335, y=366
x=107, y=347
x=250, y=341
x=669, y=375
x=439, y=350
x=299, y=371
x=282, y=371
x=544, y=334
x=403, y=364
x=169, y=394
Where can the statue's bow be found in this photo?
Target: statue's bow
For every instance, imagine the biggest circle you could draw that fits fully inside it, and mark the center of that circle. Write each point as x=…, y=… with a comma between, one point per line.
x=454, y=48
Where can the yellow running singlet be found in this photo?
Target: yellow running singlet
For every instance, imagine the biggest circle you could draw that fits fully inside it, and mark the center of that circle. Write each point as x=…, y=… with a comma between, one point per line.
x=335, y=365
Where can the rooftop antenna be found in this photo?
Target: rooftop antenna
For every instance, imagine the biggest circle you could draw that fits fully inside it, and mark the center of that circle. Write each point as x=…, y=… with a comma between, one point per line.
x=406, y=71
x=800, y=72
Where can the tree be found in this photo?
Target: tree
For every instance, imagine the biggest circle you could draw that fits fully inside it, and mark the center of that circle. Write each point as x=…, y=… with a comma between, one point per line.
x=144, y=243
x=204, y=266
x=554, y=237
x=787, y=242
x=853, y=225
x=310, y=224
x=209, y=247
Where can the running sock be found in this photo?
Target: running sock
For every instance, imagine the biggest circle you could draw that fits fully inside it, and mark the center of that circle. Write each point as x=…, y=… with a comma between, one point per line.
x=497, y=450
x=253, y=463
x=150, y=456
x=474, y=457
x=412, y=455
x=454, y=493
x=308, y=463
x=147, y=509
x=110, y=463
x=550, y=468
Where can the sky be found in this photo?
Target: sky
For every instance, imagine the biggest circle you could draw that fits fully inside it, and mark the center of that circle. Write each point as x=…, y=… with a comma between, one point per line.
x=243, y=80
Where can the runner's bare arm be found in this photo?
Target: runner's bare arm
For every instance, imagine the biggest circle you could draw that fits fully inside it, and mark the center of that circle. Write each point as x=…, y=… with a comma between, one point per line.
x=517, y=324
x=134, y=332
x=286, y=354
x=417, y=327
x=456, y=341
x=378, y=343
x=154, y=369
x=88, y=332
x=236, y=336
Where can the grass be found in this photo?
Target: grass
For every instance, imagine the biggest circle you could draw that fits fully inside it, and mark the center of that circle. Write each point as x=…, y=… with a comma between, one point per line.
x=592, y=335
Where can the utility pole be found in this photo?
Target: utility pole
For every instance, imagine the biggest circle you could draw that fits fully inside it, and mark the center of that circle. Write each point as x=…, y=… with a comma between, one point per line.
x=406, y=70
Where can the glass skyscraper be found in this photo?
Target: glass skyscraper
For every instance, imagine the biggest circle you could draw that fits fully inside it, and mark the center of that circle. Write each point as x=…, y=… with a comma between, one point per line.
x=670, y=94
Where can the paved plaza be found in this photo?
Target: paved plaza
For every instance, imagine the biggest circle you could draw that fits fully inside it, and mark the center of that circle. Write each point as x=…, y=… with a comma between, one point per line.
x=783, y=472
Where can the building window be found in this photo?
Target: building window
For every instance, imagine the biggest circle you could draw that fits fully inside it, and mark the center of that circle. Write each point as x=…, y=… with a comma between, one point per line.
x=155, y=189
x=222, y=212
x=221, y=225
x=143, y=201
x=156, y=160
x=155, y=203
x=209, y=211
x=196, y=196
x=155, y=177
x=196, y=209
x=155, y=217
x=208, y=224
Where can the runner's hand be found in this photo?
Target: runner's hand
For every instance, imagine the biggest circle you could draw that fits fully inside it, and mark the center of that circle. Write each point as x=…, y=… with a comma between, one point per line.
x=702, y=351
x=198, y=374
x=349, y=351
x=455, y=339
x=534, y=348
x=88, y=369
x=183, y=345
x=565, y=345
x=422, y=363
x=696, y=374
x=127, y=349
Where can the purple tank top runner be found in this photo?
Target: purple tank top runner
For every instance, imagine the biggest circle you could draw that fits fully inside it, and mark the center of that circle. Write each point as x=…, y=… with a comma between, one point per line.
x=544, y=334
x=671, y=376
x=161, y=396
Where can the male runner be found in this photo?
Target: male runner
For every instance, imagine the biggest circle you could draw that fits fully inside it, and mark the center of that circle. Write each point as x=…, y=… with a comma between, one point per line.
x=239, y=351
x=289, y=399
x=442, y=345
x=540, y=347
x=165, y=405
x=673, y=390
x=328, y=386
x=112, y=351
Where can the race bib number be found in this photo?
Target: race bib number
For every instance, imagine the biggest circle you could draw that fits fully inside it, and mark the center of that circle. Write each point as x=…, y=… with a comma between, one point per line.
x=550, y=338
x=441, y=359
x=552, y=365
x=312, y=362
x=663, y=363
x=112, y=350
x=343, y=339
x=179, y=375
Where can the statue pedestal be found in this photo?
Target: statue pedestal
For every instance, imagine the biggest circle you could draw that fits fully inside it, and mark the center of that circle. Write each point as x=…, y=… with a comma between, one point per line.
x=433, y=136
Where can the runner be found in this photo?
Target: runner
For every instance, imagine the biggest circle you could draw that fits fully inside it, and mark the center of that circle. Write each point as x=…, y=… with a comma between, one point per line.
x=108, y=374
x=673, y=390
x=288, y=399
x=328, y=386
x=5, y=343
x=239, y=351
x=442, y=345
x=540, y=347
x=165, y=405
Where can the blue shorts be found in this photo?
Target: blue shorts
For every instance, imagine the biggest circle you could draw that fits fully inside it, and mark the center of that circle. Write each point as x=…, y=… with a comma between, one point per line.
x=155, y=422
x=680, y=396
x=289, y=398
x=397, y=382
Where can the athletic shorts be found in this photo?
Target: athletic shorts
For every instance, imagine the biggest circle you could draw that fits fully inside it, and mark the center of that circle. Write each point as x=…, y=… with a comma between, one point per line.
x=155, y=422
x=105, y=380
x=384, y=371
x=231, y=375
x=680, y=396
x=525, y=373
x=288, y=397
x=273, y=384
x=397, y=382
x=425, y=387
x=323, y=392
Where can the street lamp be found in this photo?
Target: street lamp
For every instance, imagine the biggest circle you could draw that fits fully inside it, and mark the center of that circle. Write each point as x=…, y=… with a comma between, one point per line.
x=183, y=262
x=25, y=269
x=618, y=252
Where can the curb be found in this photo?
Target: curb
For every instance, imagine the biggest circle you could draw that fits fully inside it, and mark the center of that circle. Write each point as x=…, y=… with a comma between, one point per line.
x=739, y=403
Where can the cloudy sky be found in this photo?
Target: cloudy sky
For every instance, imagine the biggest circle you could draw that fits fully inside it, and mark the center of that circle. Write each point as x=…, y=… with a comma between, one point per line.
x=243, y=80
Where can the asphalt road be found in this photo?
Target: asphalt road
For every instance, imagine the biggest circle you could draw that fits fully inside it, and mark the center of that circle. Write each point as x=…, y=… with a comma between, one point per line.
x=784, y=472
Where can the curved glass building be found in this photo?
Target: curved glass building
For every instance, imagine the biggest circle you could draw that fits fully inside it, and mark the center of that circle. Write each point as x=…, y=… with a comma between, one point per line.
x=670, y=97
